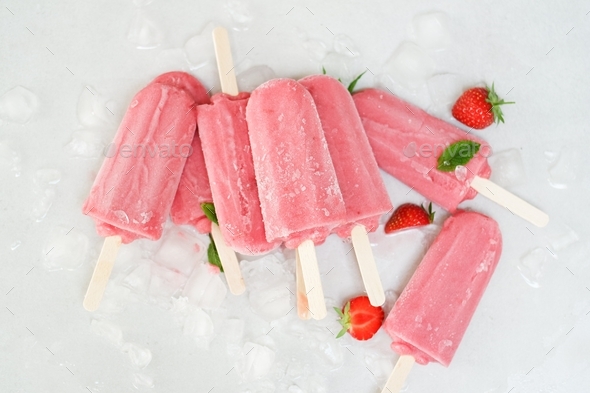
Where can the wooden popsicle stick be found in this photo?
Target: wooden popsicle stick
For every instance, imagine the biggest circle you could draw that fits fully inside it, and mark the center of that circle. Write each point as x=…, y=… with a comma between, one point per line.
x=225, y=63
x=399, y=374
x=302, y=303
x=102, y=272
x=510, y=201
x=367, y=266
x=229, y=261
x=311, y=278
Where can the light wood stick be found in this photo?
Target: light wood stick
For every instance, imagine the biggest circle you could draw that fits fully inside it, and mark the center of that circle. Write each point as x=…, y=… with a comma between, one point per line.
x=510, y=201
x=229, y=261
x=367, y=266
x=302, y=303
x=102, y=272
x=225, y=63
x=311, y=278
x=399, y=374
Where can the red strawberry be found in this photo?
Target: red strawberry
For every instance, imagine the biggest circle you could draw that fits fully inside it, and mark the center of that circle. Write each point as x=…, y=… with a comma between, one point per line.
x=359, y=318
x=479, y=107
x=409, y=215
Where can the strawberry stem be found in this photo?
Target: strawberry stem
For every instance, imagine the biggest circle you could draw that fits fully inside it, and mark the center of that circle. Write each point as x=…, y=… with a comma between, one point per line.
x=496, y=103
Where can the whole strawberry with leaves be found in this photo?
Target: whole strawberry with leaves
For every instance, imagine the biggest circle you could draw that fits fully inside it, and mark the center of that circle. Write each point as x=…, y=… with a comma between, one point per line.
x=409, y=215
x=479, y=107
x=359, y=318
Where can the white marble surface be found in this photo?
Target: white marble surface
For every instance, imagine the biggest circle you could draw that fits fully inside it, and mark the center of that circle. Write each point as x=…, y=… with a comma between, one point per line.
x=529, y=333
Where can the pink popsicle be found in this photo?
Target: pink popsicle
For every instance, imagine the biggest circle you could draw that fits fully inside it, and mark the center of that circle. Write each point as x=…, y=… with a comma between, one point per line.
x=358, y=176
x=299, y=193
x=407, y=143
x=228, y=157
x=134, y=189
x=433, y=312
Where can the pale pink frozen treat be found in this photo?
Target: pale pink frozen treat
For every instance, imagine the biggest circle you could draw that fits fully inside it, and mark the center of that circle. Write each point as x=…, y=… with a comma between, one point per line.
x=228, y=157
x=407, y=143
x=299, y=193
x=363, y=191
x=135, y=187
x=431, y=315
x=193, y=188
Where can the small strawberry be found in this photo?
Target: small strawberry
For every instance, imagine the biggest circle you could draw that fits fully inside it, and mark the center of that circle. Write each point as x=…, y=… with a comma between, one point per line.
x=479, y=107
x=409, y=215
x=359, y=318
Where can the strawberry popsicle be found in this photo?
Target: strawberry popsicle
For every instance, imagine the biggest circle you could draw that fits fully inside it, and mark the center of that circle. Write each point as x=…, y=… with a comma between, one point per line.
x=431, y=315
x=228, y=157
x=407, y=143
x=152, y=143
x=299, y=192
x=363, y=191
x=300, y=199
x=412, y=146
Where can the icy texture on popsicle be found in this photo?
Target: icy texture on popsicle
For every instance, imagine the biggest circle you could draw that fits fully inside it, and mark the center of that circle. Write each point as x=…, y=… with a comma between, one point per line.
x=134, y=189
x=363, y=191
x=193, y=188
x=228, y=157
x=407, y=143
x=431, y=315
x=299, y=194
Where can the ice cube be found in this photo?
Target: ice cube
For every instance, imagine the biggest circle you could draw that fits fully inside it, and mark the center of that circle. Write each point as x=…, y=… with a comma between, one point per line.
x=444, y=89
x=143, y=32
x=139, y=279
x=431, y=30
x=18, y=105
x=141, y=381
x=140, y=357
x=9, y=160
x=563, y=238
x=332, y=352
x=564, y=171
x=239, y=13
x=44, y=201
x=92, y=109
x=165, y=282
x=341, y=66
x=507, y=168
x=179, y=251
x=205, y=289
x=410, y=66
x=253, y=77
x=532, y=266
x=108, y=330
x=65, y=248
x=256, y=361
x=199, y=49
x=198, y=325
x=379, y=366
x=86, y=144
x=317, y=49
x=46, y=177
x=344, y=45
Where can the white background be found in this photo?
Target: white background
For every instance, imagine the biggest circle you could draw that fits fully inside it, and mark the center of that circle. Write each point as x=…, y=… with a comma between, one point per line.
x=522, y=339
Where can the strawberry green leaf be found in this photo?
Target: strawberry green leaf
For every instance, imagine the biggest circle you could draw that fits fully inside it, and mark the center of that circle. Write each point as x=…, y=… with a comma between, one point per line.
x=339, y=312
x=496, y=103
x=209, y=210
x=352, y=84
x=323, y=70
x=212, y=254
x=429, y=212
x=341, y=333
x=458, y=153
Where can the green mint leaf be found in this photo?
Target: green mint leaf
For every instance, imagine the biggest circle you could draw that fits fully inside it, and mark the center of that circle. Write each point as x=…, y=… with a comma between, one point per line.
x=458, y=153
x=213, y=256
x=323, y=70
x=209, y=210
x=352, y=84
